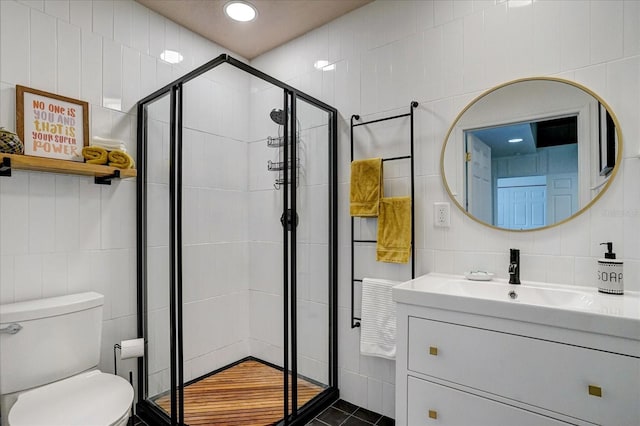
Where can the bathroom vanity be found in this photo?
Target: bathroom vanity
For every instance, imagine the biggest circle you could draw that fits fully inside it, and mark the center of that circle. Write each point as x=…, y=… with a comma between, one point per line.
x=491, y=353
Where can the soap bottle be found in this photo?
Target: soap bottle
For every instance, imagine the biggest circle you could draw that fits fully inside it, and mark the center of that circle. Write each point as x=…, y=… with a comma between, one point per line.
x=610, y=278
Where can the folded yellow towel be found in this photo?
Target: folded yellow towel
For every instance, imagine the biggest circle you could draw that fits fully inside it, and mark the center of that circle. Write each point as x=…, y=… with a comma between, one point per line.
x=95, y=155
x=120, y=159
x=366, y=187
x=394, y=230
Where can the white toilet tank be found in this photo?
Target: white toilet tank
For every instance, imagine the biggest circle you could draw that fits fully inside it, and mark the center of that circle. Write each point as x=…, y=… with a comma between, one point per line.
x=59, y=337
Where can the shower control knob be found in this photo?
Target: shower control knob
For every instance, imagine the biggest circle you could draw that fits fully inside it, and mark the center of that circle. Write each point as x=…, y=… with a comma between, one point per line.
x=287, y=220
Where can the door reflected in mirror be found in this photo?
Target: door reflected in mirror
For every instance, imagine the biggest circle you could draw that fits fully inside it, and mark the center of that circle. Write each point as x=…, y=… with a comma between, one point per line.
x=530, y=154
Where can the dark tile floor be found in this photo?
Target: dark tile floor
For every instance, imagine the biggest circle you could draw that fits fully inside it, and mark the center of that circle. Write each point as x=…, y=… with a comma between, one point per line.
x=341, y=413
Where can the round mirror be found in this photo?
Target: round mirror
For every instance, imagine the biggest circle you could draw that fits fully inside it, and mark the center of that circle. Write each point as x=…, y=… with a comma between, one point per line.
x=531, y=154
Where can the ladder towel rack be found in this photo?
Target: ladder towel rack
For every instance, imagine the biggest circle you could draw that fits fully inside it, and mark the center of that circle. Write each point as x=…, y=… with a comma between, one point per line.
x=355, y=321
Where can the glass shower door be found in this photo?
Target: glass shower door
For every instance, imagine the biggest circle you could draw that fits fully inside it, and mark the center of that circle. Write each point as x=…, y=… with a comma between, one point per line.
x=312, y=283
x=157, y=269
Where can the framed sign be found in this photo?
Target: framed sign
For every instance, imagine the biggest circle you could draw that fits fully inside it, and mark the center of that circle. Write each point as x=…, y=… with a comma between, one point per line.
x=51, y=125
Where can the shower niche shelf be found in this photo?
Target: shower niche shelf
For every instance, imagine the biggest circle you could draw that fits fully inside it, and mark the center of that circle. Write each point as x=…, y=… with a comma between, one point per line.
x=102, y=174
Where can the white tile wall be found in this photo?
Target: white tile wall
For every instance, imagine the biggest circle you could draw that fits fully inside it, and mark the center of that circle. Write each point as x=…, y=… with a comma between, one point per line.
x=63, y=234
x=441, y=53
x=456, y=50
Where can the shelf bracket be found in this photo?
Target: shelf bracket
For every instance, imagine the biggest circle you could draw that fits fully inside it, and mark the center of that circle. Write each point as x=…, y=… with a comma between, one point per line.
x=106, y=180
x=5, y=167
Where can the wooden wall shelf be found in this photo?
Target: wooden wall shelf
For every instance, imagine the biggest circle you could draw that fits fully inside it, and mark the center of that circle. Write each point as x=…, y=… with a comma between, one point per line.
x=103, y=174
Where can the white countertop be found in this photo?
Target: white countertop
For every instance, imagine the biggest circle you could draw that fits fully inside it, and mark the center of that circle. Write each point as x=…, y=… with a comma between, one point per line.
x=575, y=307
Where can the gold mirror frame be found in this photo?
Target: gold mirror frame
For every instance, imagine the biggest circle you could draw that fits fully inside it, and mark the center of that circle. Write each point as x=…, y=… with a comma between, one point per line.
x=605, y=187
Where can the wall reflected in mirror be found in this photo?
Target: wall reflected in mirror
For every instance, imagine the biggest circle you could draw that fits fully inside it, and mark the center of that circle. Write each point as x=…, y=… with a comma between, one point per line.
x=530, y=154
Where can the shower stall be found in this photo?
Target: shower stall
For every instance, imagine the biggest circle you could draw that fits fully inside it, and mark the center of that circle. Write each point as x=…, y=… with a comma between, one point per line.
x=237, y=250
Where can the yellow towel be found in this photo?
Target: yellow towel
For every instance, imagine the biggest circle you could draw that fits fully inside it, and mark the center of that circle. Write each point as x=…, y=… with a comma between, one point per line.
x=95, y=155
x=366, y=187
x=120, y=159
x=394, y=230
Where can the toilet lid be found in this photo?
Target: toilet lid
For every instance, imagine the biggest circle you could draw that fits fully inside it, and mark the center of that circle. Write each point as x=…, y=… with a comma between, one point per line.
x=88, y=399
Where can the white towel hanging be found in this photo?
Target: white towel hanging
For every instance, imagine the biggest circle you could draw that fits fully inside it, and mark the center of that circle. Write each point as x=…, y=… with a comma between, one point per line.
x=378, y=319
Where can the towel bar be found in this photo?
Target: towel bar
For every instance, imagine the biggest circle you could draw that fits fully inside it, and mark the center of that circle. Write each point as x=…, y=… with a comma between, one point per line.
x=355, y=321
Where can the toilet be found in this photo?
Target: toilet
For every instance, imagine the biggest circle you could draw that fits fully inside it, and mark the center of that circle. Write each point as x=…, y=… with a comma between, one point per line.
x=49, y=351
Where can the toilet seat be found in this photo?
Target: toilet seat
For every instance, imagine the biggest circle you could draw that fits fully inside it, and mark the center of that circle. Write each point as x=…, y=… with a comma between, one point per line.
x=88, y=399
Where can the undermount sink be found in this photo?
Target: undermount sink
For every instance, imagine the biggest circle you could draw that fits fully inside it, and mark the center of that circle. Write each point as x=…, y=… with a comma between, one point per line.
x=580, y=308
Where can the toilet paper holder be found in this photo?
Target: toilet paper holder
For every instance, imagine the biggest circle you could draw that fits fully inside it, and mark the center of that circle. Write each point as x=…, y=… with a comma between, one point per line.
x=132, y=348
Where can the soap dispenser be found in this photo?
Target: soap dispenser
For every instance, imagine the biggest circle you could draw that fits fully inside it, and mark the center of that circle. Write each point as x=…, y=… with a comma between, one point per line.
x=610, y=278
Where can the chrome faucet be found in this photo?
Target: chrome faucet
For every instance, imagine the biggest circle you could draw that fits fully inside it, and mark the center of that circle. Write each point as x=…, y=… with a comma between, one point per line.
x=514, y=267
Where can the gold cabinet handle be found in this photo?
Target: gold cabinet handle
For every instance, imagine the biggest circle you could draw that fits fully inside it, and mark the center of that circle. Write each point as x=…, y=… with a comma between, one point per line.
x=433, y=350
x=433, y=414
x=595, y=391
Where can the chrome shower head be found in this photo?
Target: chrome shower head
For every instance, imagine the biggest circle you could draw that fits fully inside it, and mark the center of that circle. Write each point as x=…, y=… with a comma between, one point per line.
x=277, y=115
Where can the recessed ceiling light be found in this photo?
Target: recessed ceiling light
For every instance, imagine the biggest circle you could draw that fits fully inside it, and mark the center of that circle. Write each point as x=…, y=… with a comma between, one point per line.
x=171, y=56
x=515, y=140
x=240, y=11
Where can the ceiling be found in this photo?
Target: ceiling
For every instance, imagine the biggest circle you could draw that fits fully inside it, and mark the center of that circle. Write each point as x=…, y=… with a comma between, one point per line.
x=278, y=21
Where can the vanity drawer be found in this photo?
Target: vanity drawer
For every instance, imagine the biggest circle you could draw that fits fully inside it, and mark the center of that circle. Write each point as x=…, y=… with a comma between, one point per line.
x=592, y=385
x=433, y=404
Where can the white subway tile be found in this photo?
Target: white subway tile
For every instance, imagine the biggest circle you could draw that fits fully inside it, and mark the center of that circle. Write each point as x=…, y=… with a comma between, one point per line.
x=130, y=79
x=442, y=12
x=122, y=22
x=585, y=272
x=606, y=30
x=54, y=275
x=28, y=277
x=14, y=220
x=101, y=121
x=91, y=68
x=81, y=14
x=89, y=214
x=156, y=34
x=520, y=32
x=353, y=387
x=57, y=8
x=8, y=106
x=631, y=26
x=7, y=281
x=163, y=73
x=67, y=213
x=462, y=8
x=42, y=51
x=103, y=18
x=123, y=290
x=147, y=75
x=574, y=34
x=473, y=59
x=112, y=75
x=546, y=48
x=374, y=395
x=69, y=66
x=623, y=88
x=118, y=225
x=41, y=219
x=453, y=60
x=140, y=28
x=389, y=400
x=631, y=208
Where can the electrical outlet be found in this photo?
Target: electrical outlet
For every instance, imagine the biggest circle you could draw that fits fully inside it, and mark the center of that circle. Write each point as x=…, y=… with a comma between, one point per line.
x=441, y=214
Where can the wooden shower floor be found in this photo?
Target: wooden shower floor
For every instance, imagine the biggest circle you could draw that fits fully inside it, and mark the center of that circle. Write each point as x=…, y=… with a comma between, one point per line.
x=248, y=393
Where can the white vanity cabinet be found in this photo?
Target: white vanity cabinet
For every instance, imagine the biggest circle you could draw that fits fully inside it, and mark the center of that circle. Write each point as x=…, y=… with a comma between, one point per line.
x=467, y=369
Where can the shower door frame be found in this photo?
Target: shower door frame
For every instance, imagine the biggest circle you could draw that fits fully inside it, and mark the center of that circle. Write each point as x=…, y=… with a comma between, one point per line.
x=174, y=89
